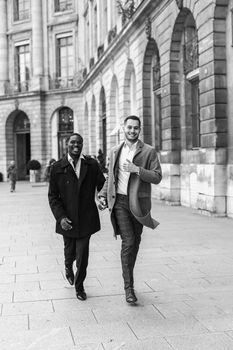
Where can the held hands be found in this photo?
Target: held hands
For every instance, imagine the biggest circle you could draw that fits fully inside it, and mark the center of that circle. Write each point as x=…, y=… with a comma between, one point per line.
x=102, y=203
x=66, y=224
x=130, y=167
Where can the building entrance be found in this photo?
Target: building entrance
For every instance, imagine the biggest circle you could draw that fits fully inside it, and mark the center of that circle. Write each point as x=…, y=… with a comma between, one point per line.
x=22, y=145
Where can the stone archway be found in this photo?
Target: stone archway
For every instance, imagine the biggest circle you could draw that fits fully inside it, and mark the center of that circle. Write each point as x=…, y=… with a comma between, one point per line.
x=18, y=142
x=62, y=125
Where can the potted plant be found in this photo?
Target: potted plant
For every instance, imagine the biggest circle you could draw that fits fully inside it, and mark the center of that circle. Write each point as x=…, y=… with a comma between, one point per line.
x=34, y=167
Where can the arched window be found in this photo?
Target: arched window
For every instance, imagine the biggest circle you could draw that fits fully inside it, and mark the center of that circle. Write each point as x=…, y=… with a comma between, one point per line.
x=21, y=123
x=65, y=128
x=156, y=102
x=191, y=83
x=152, y=96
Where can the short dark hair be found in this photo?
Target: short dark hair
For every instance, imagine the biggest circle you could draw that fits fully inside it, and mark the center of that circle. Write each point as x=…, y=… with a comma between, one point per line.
x=74, y=134
x=133, y=117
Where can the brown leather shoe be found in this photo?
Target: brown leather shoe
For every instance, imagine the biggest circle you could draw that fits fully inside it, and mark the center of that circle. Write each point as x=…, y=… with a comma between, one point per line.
x=130, y=296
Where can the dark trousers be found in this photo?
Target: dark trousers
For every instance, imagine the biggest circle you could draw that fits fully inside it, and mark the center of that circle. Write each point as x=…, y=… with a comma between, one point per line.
x=12, y=185
x=77, y=250
x=130, y=231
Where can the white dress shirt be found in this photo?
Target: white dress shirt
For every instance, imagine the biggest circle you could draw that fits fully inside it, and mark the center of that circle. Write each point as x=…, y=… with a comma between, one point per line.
x=78, y=165
x=123, y=176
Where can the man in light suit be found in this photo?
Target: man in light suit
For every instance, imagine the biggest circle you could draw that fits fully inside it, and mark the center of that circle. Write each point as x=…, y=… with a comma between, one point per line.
x=133, y=167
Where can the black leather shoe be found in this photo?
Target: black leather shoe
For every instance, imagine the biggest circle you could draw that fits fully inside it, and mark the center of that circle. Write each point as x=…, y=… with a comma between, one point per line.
x=130, y=296
x=70, y=275
x=81, y=295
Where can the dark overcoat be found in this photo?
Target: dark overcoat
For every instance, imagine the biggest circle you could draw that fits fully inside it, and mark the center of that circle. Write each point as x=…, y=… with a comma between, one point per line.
x=75, y=198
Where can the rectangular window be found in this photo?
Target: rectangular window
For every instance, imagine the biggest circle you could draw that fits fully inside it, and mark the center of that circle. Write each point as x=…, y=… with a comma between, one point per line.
x=21, y=10
x=65, y=60
x=63, y=5
x=22, y=67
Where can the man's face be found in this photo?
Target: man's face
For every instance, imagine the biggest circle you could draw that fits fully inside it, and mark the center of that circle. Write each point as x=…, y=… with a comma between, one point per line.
x=75, y=146
x=131, y=130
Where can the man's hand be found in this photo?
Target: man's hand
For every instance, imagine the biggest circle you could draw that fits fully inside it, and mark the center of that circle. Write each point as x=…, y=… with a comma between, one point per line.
x=102, y=203
x=130, y=167
x=66, y=224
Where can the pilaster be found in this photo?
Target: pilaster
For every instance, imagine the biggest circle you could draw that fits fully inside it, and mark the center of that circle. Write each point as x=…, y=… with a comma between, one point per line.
x=3, y=47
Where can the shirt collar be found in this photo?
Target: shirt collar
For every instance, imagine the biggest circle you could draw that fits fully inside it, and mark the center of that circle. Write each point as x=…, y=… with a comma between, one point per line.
x=133, y=147
x=70, y=159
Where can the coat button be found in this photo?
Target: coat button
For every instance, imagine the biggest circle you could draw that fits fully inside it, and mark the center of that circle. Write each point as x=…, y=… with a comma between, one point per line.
x=113, y=196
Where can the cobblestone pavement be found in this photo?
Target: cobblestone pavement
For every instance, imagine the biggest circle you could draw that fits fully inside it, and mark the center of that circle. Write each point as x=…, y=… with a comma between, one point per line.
x=184, y=282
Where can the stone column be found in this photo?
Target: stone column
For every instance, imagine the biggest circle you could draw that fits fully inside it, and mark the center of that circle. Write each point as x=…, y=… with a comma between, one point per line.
x=3, y=47
x=37, y=45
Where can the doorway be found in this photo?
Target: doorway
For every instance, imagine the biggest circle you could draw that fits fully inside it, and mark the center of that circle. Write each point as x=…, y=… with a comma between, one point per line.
x=22, y=145
x=23, y=155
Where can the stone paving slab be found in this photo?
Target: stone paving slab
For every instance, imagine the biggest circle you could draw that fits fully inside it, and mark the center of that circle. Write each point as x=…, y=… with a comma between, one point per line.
x=201, y=342
x=48, y=339
x=183, y=280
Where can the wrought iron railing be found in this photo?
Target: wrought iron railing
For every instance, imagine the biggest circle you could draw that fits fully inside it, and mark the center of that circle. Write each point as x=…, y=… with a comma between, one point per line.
x=17, y=87
x=71, y=82
x=60, y=83
x=21, y=15
x=61, y=6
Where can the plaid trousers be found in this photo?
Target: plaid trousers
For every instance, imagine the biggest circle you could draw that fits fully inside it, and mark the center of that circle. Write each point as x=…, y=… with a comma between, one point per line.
x=130, y=232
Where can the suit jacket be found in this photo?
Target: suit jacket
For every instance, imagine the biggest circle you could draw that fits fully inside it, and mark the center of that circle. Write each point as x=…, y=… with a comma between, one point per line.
x=139, y=186
x=75, y=198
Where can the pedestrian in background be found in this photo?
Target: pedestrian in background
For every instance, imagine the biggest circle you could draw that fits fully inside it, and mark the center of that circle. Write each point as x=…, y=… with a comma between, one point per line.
x=12, y=175
x=72, y=188
x=48, y=169
x=133, y=167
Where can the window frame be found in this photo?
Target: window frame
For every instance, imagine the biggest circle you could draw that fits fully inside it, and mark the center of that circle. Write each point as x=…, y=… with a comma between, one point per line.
x=26, y=10
x=22, y=84
x=58, y=70
x=68, y=6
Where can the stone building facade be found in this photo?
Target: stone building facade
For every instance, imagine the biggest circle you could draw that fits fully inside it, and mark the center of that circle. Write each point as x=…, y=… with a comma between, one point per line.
x=83, y=65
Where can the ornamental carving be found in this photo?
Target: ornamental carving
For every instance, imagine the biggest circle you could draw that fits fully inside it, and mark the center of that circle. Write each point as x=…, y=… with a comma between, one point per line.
x=126, y=9
x=148, y=28
x=180, y=3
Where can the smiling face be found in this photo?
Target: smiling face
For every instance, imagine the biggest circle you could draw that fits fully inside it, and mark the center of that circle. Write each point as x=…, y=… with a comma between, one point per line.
x=131, y=130
x=75, y=146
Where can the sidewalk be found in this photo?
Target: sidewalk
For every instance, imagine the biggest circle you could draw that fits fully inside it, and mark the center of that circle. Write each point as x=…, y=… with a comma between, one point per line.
x=183, y=277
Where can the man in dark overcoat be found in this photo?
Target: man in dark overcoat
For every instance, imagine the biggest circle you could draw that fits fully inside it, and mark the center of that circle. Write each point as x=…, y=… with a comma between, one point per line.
x=133, y=167
x=72, y=188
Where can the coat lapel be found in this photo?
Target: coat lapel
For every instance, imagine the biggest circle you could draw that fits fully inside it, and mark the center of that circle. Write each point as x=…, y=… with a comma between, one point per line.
x=65, y=162
x=139, y=148
x=116, y=154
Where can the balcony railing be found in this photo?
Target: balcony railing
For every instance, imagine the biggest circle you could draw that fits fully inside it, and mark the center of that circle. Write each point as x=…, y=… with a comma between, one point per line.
x=63, y=6
x=54, y=83
x=66, y=82
x=21, y=15
x=17, y=87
